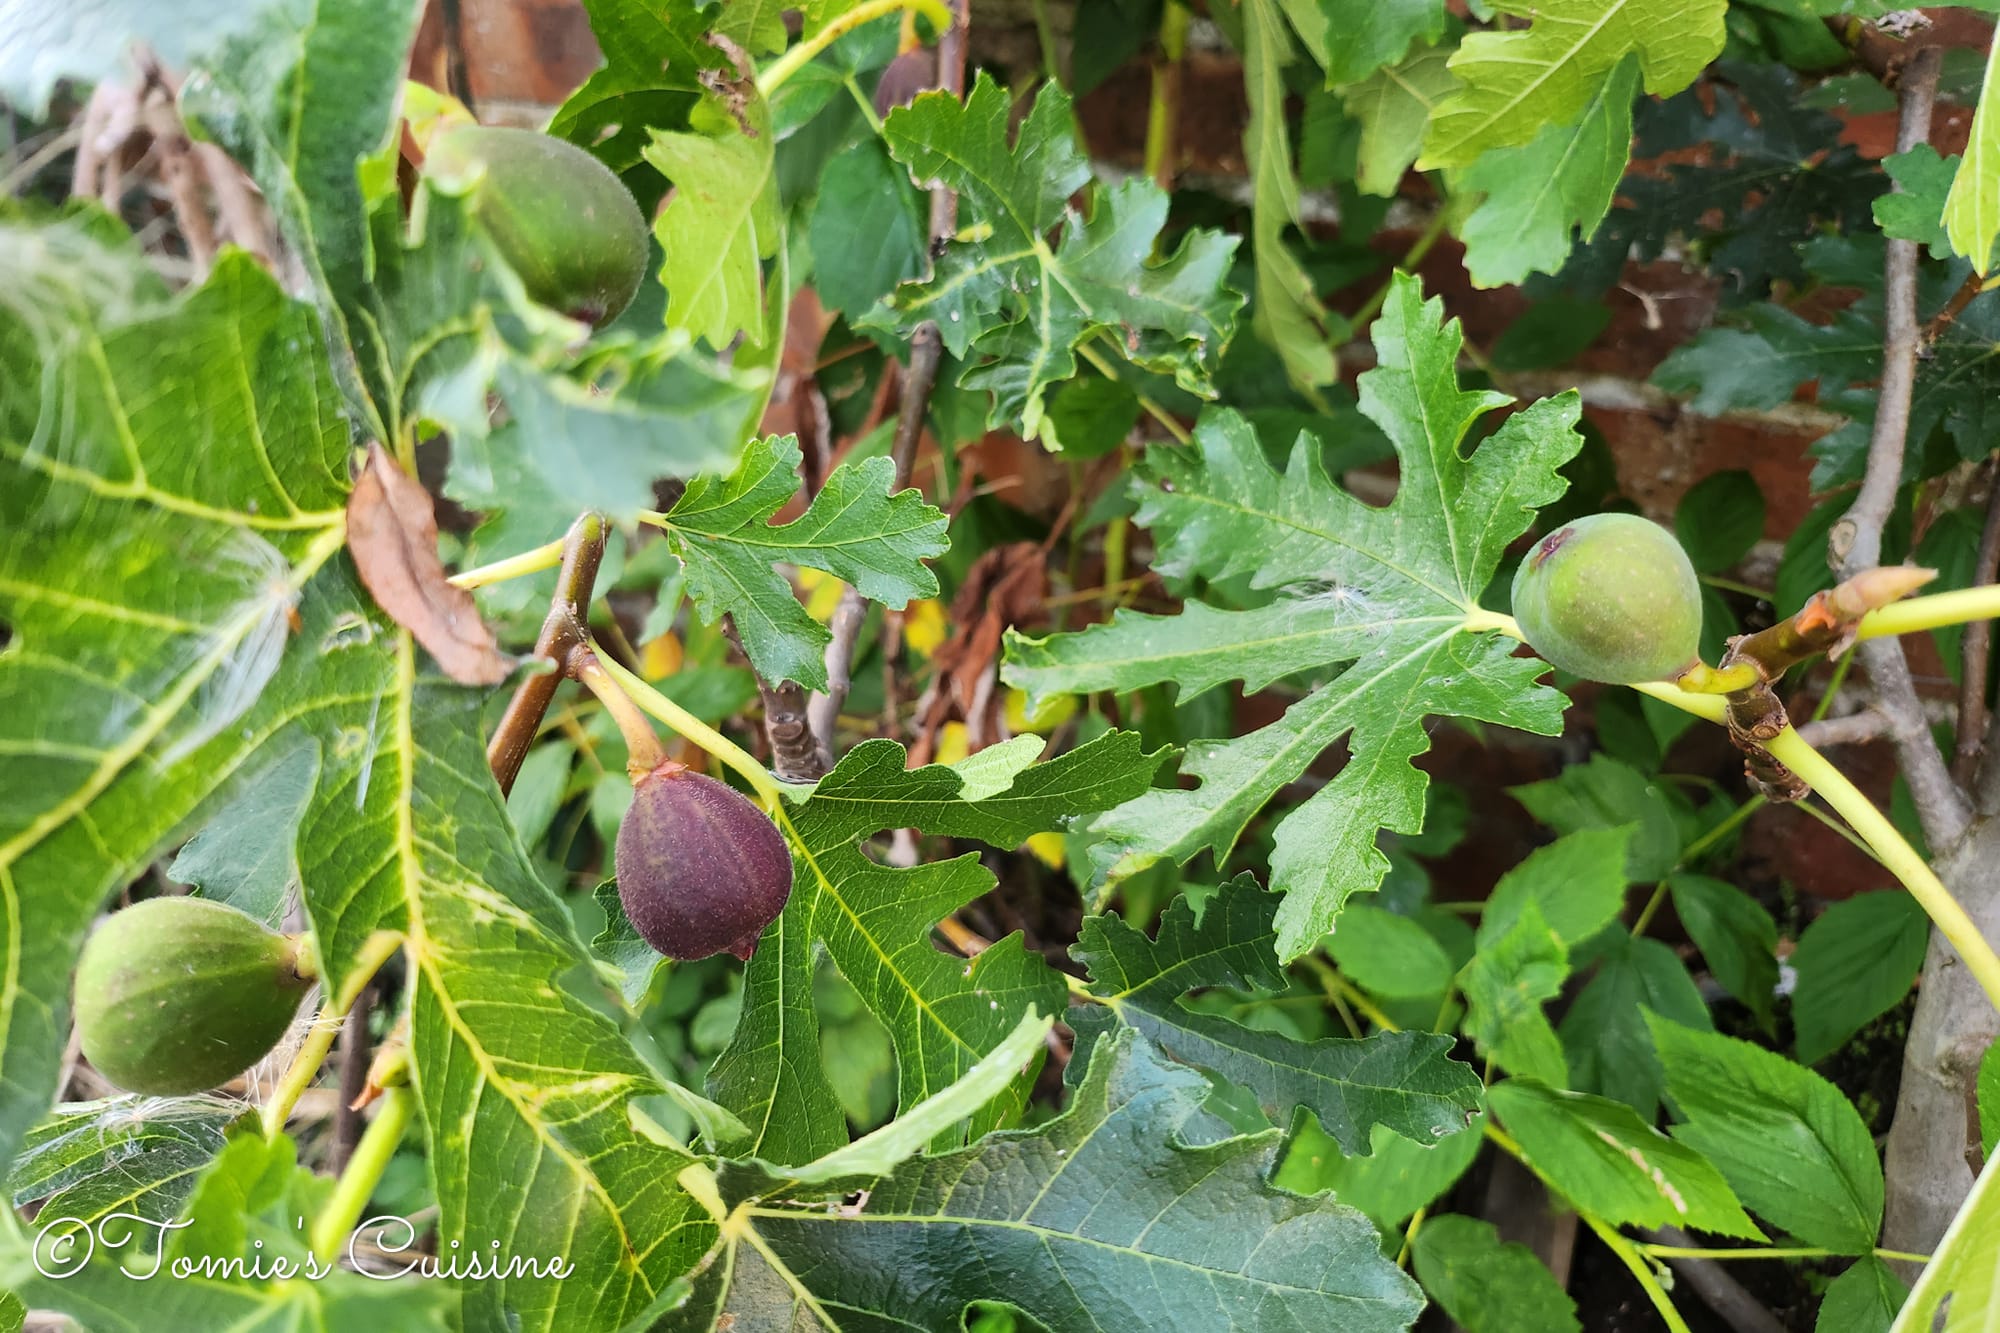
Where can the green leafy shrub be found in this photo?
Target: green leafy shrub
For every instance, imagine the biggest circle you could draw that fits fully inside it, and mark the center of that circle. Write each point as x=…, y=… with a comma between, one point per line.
x=732, y=963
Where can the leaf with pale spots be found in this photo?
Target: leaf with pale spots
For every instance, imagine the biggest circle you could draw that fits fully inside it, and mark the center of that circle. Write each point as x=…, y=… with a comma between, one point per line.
x=1614, y=1165
x=150, y=681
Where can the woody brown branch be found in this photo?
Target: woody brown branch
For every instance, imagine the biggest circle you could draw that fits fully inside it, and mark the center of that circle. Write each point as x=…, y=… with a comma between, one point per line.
x=583, y=552
x=1856, y=541
x=926, y=354
x=1826, y=624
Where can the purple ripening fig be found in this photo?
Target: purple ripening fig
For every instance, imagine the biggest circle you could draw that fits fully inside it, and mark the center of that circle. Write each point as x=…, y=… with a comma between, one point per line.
x=700, y=869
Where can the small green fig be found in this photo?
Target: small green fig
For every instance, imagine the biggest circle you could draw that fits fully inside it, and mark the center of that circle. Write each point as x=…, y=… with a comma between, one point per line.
x=1611, y=597
x=564, y=222
x=700, y=869
x=180, y=995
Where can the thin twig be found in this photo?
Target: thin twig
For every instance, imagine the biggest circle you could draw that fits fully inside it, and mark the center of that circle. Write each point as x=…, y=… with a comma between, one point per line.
x=951, y=49
x=244, y=220
x=354, y=1058
x=110, y=120
x=23, y=173
x=1856, y=541
x=1960, y=299
x=1163, y=109
x=1866, y=725
x=1976, y=649
x=583, y=551
x=795, y=754
x=1718, y=1291
x=823, y=711
x=926, y=352
x=84, y=174
x=121, y=127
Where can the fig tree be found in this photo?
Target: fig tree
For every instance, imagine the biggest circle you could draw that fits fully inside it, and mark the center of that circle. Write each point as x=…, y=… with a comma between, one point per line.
x=180, y=995
x=563, y=221
x=1611, y=597
x=700, y=869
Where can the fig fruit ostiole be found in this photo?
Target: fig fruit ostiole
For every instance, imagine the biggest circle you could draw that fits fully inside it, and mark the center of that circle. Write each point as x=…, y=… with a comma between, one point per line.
x=1611, y=598
x=180, y=995
x=564, y=222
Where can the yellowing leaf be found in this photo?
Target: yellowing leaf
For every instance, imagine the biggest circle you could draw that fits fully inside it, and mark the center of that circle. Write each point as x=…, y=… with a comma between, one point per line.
x=925, y=627
x=661, y=657
x=1044, y=717
x=952, y=743
x=1048, y=848
x=1515, y=82
x=1288, y=313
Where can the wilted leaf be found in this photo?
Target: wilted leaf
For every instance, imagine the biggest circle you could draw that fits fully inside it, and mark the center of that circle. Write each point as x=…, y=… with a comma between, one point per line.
x=392, y=537
x=1289, y=315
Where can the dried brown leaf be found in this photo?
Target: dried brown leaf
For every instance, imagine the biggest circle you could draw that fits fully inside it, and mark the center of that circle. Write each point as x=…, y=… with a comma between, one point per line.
x=1004, y=587
x=392, y=535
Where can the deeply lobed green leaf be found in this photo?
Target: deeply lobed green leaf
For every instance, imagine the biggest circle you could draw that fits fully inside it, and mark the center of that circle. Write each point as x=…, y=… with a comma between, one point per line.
x=1385, y=591
x=1402, y=1080
x=1099, y=1219
x=943, y=1013
x=1016, y=306
x=854, y=529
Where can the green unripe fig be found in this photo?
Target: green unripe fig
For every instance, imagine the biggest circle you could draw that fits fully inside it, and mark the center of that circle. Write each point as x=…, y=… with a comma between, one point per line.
x=180, y=995
x=563, y=221
x=700, y=869
x=1611, y=597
